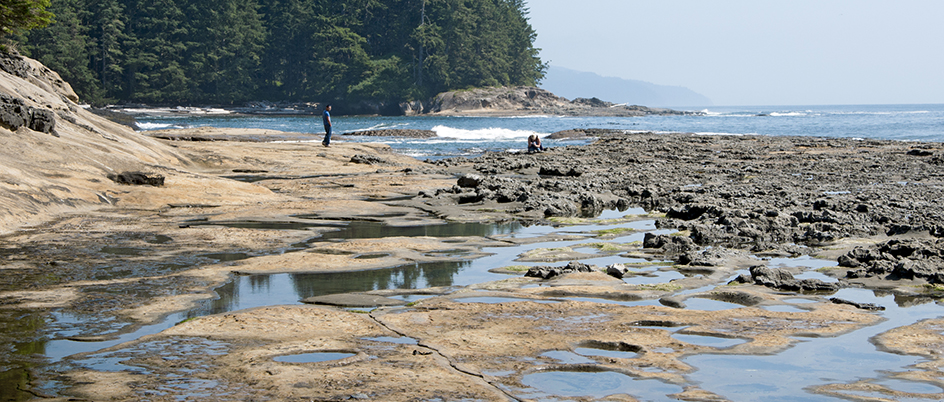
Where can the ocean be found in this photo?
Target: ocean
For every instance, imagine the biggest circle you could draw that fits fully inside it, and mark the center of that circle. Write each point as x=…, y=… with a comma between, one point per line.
x=470, y=136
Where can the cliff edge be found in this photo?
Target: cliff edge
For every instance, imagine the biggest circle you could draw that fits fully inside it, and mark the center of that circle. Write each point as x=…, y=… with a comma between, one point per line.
x=56, y=157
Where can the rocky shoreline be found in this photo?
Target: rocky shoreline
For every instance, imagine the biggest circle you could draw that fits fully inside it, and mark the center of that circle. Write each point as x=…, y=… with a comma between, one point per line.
x=138, y=228
x=494, y=102
x=745, y=198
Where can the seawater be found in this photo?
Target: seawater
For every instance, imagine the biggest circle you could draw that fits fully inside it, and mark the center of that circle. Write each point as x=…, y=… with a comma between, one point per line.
x=471, y=136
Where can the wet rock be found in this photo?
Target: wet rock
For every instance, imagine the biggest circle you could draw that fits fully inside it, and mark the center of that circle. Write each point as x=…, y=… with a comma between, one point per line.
x=777, y=278
x=137, y=179
x=671, y=245
x=712, y=257
x=545, y=272
x=672, y=301
x=898, y=259
x=354, y=300
x=469, y=181
x=734, y=296
x=616, y=270
x=863, y=306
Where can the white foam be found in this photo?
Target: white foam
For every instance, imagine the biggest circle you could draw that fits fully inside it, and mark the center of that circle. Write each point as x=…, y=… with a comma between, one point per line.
x=491, y=133
x=790, y=114
x=727, y=134
x=154, y=126
x=379, y=126
x=530, y=116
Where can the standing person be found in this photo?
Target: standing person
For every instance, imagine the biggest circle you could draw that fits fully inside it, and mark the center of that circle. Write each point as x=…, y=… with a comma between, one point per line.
x=326, y=119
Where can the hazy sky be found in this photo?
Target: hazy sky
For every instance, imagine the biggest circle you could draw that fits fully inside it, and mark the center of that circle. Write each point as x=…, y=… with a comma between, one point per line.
x=770, y=52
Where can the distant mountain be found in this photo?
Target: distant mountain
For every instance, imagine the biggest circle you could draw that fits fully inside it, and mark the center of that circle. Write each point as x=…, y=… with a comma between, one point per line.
x=573, y=84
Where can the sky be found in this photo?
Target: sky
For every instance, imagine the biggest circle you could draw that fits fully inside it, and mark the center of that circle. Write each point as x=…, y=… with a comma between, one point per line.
x=769, y=52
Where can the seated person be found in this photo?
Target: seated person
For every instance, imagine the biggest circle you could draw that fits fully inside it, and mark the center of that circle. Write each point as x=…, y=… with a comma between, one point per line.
x=534, y=143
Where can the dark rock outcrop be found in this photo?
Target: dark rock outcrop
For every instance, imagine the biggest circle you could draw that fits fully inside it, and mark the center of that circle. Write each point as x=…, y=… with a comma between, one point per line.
x=898, y=259
x=776, y=278
x=670, y=245
x=545, y=272
x=369, y=160
x=137, y=179
x=863, y=306
x=14, y=113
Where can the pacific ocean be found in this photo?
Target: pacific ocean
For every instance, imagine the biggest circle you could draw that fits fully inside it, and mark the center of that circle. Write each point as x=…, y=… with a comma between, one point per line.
x=470, y=136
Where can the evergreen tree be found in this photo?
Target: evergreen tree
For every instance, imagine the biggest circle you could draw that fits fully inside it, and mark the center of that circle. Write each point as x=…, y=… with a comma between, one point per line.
x=107, y=38
x=20, y=15
x=64, y=46
x=287, y=62
x=224, y=49
x=153, y=67
x=229, y=51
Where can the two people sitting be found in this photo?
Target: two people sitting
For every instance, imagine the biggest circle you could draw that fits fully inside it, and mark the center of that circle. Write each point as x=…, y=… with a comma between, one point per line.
x=534, y=144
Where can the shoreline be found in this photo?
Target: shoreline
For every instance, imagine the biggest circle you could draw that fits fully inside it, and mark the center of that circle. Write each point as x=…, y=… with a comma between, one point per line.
x=128, y=229
x=313, y=195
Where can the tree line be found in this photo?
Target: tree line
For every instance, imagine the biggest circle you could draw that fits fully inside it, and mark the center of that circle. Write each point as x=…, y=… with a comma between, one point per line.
x=233, y=51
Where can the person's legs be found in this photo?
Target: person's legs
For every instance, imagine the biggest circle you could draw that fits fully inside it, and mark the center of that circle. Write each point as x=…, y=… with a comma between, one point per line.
x=327, y=137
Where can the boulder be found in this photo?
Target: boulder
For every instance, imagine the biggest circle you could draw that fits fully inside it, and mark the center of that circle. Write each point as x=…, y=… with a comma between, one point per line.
x=777, y=278
x=545, y=272
x=616, y=270
x=469, y=181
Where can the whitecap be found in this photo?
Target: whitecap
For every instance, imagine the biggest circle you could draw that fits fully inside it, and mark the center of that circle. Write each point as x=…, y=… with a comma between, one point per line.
x=491, y=133
x=154, y=126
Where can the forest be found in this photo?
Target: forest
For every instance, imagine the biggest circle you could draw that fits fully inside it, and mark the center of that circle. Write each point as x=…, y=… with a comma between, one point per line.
x=224, y=52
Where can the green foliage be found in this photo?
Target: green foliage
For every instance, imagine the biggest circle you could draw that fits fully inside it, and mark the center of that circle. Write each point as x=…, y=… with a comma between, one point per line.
x=64, y=47
x=23, y=15
x=229, y=51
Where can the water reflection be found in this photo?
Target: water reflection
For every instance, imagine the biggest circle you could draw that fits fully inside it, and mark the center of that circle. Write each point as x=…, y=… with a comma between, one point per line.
x=265, y=290
x=377, y=230
x=23, y=347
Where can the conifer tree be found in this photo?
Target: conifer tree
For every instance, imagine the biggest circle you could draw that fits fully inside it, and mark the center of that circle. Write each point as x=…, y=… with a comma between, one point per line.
x=230, y=51
x=64, y=46
x=20, y=15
